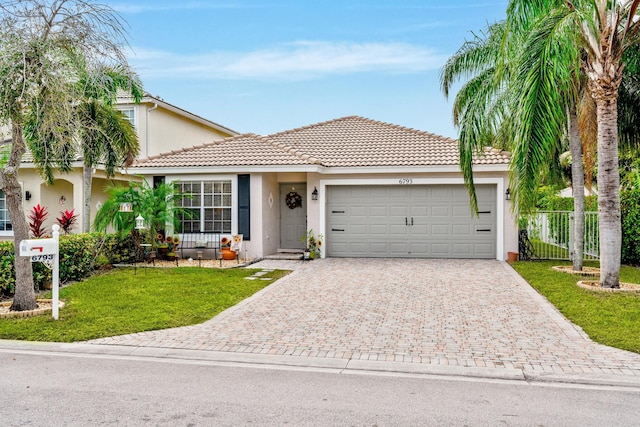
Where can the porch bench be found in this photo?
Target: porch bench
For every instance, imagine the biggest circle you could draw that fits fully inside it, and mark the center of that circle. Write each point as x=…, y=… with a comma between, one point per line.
x=193, y=243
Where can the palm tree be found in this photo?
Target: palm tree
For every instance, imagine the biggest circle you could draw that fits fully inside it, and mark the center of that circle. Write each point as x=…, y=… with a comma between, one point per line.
x=602, y=31
x=484, y=110
x=160, y=206
x=40, y=41
x=107, y=136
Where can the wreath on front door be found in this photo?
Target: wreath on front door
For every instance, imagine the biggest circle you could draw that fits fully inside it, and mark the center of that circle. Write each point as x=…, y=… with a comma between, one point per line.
x=294, y=200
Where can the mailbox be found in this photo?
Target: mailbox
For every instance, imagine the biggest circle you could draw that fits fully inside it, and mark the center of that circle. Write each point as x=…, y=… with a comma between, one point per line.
x=32, y=247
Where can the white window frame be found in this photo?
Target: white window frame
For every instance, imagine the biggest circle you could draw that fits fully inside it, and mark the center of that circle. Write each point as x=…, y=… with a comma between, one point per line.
x=211, y=178
x=134, y=115
x=7, y=218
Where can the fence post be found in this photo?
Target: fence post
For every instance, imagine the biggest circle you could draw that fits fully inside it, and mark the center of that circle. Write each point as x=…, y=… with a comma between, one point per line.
x=572, y=219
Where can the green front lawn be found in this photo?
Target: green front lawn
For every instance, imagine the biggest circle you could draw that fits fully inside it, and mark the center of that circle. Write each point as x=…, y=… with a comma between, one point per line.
x=610, y=319
x=121, y=302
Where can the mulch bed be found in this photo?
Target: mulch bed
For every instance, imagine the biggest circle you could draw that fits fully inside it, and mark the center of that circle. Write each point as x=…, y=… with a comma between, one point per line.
x=586, y=271
x=594, y=285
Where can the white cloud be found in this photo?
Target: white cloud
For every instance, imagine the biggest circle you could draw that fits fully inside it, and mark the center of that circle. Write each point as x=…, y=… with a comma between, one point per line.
x=294, y=61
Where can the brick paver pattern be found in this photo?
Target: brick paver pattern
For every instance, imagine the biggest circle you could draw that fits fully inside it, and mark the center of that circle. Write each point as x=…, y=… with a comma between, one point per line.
x=467, y=313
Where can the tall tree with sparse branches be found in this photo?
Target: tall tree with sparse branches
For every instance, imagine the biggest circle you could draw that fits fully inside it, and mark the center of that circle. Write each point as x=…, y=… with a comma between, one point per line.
x=42, y=46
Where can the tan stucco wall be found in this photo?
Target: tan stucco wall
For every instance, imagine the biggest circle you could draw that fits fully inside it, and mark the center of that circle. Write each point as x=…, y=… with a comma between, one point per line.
x=68, y=185
x=270, y=217
x=160, y=130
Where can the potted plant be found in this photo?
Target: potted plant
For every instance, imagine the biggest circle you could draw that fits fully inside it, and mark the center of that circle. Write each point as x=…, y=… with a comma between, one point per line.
x=225, y=249
x=172, y=245
x=162, y=245
x=313, y=245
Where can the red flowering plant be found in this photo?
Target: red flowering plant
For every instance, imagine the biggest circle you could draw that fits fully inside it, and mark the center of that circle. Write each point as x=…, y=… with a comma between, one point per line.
x=67, y=220
x=36, y=220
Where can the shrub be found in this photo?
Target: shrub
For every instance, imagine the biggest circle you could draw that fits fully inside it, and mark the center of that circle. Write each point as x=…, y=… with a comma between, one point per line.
x=7, y=271
x=117, y=248
x=630, y=209
x=80, y=254
x=77, y=256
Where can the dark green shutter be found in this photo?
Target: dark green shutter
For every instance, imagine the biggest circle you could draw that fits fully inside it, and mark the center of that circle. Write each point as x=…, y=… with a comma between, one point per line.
x=244, y=206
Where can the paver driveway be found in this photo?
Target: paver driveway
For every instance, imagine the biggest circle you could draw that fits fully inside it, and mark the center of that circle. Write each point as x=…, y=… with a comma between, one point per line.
x=471, y=313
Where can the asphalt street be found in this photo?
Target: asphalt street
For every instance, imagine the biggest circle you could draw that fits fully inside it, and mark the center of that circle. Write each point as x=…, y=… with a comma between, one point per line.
x=57, y=388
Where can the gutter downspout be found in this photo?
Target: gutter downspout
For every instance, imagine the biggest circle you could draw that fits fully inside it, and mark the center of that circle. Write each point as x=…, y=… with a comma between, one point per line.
x=155, y=107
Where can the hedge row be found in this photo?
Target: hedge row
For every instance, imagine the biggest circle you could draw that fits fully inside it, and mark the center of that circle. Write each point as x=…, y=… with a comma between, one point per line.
x=630, y=210
x=80, y=254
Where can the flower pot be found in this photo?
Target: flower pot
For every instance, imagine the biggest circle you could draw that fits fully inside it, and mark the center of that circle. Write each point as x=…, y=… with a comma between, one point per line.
x=162, y=250
x=512, y=256
x=306, y=255
x=228, y=254
x=170, y=256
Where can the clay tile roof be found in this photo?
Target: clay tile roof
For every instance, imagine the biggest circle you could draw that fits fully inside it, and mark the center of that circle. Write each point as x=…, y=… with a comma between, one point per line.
x=346, y=142
x=357, y=141
x=243, y=150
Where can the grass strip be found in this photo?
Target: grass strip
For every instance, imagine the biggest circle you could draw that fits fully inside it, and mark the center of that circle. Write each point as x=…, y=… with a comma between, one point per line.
x=123, y=301
x=612, y=319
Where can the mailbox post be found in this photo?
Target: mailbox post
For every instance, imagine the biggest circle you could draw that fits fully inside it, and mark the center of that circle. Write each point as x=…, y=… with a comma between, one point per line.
x=47, y=252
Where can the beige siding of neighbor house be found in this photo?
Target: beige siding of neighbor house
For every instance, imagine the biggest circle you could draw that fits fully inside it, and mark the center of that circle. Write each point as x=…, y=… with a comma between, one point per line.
x=64, y=194
x=161, y=130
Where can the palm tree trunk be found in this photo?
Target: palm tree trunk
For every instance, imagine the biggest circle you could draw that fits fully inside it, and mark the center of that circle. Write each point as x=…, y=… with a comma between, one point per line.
x=25, y=297
x=608, y=192
x=577, y=184
x=87, y=177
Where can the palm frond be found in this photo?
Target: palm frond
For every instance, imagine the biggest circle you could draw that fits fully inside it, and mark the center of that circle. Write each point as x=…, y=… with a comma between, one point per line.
x=547, y=78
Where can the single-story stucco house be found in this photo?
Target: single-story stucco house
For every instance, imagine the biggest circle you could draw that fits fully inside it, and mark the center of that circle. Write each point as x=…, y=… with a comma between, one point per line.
x=372, y=189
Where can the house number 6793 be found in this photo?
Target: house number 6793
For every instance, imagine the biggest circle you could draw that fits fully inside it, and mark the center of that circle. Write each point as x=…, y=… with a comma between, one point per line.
x=405, y=181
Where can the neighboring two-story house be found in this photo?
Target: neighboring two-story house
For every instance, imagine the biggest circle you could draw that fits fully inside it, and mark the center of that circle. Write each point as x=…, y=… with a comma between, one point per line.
x=161, y=127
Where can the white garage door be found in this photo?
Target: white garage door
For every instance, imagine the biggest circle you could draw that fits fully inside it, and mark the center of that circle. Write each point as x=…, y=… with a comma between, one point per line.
x=420, y=221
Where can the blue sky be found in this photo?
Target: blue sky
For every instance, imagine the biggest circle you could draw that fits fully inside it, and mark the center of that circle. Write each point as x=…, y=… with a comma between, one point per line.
x=268, y=66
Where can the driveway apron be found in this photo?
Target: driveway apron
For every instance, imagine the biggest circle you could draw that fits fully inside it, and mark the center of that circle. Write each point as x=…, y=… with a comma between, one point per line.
x=465, y=313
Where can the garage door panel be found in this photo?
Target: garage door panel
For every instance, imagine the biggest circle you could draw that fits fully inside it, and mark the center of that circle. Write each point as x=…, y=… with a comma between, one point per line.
x=440, y=192
x=377, y=221
x=378, y=230
x=419, y=229
x=398, y=229
x=440, y=230
x=418, y=249
x=462, y=249
x=461, y=211
x=484, y=249
x=440, y=249
x=461, y=230
x=358, y=229
x=443, y=211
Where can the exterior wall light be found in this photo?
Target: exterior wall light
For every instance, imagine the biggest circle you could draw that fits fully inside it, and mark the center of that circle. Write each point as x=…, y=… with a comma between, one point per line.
x=314, y=194
x=507, y=194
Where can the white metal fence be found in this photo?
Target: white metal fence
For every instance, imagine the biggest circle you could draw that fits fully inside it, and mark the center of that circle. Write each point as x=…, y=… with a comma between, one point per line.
x=551, y=234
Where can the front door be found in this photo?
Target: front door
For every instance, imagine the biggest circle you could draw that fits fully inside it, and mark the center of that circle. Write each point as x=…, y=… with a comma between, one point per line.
x=293, y=215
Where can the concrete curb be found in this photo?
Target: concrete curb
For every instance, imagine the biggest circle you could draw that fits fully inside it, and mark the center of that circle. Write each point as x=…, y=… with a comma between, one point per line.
x=342, y=366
